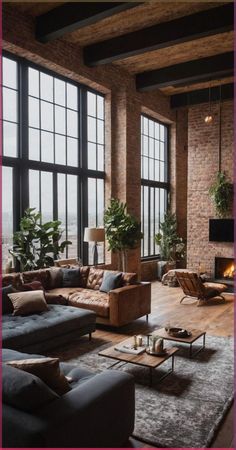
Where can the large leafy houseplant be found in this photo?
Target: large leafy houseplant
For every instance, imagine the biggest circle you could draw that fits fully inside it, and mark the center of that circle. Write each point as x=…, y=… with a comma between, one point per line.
x=170, y=244
x=123, y=231
x=37, y=244
x=221, y=192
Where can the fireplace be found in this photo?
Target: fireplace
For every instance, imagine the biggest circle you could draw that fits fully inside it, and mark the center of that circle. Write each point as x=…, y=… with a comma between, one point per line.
x=224, y=270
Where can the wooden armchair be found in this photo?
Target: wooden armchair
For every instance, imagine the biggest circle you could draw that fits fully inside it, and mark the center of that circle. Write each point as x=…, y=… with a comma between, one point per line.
x=193, y=286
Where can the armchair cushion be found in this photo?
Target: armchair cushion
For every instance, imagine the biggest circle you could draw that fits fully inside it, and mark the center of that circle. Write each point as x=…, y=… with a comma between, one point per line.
x=47, y=369
x=23, y=390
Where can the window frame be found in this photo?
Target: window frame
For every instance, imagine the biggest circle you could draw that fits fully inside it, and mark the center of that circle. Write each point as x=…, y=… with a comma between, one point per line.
x=21, y=164
x=155, y=184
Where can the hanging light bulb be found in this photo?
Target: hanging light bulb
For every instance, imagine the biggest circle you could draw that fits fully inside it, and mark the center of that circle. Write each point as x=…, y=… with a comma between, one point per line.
x=208, y=118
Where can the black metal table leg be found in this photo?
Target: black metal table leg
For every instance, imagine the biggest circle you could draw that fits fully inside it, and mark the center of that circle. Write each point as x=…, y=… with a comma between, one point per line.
x=191, y=354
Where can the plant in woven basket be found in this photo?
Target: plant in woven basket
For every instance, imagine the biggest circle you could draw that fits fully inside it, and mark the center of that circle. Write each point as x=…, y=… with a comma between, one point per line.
x=221, y=192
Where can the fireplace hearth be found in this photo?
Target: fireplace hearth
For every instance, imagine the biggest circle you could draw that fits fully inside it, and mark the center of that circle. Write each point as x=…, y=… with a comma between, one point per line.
x=224, y=270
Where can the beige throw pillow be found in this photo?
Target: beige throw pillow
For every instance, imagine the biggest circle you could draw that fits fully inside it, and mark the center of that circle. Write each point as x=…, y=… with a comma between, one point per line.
x=29, y=302
x=47, y=369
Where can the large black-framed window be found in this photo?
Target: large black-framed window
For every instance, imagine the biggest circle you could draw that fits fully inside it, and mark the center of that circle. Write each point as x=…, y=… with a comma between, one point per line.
x=53, y=153
x=154, y=181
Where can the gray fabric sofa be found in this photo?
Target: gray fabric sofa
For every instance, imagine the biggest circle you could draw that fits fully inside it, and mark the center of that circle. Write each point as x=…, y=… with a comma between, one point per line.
x=46, y=330
x=97, y=412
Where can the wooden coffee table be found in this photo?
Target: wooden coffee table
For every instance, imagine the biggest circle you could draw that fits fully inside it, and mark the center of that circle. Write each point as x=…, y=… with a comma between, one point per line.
x=144, y=359
x=196, y=334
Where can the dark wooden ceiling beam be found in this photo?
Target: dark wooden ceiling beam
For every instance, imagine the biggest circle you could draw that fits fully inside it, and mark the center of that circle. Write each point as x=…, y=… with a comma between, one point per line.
x=184, y=29
x=72, y=16
x=198, y=70
x=223, y=92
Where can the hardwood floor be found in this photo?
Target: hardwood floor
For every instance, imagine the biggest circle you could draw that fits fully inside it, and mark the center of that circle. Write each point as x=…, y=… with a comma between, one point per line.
x=216, y=318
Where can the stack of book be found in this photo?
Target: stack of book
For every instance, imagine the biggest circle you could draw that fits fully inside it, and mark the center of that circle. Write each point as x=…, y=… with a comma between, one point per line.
x=129, y=348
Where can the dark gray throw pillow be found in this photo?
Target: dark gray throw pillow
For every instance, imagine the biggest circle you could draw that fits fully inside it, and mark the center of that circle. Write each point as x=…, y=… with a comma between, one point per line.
x=7, y=306
x=23, y=390
x=110, y=281
x=71, y=277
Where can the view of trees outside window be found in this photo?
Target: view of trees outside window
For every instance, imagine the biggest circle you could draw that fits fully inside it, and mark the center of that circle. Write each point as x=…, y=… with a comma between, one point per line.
x=49, y=178
x=154, y=180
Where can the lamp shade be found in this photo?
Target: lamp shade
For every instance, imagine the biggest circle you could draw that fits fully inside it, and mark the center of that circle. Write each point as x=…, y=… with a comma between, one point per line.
x=94, y=235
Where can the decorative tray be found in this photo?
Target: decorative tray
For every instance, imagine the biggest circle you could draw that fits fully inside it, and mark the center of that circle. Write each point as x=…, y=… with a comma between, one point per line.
x=163, y=353
x=178, y=332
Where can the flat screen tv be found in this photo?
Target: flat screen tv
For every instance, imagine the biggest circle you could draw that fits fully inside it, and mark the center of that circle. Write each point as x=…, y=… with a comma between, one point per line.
x=221, y=230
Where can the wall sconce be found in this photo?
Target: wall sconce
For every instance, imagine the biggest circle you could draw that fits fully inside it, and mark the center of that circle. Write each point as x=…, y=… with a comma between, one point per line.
x=94, y=235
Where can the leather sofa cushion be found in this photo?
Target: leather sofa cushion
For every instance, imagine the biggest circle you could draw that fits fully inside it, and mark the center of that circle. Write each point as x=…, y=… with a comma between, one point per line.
x=65, y=291
x=42, y=275
x=12, y=278
x=95, y=278
x=129, y=278
x=93, y=300
x=55, y=277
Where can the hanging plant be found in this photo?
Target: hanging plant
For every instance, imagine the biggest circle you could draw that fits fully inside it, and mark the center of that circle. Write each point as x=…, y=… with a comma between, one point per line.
x=222, y=193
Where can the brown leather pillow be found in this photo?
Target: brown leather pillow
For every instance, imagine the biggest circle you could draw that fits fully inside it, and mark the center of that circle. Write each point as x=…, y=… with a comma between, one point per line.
x=33, y=286
x=47, y=369
x=55, y=299
x=30, y=302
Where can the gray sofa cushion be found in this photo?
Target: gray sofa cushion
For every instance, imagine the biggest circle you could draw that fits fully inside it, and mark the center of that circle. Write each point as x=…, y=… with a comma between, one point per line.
x=71, y=277
x=24, y=390
x=19, y=331
x=110, y=281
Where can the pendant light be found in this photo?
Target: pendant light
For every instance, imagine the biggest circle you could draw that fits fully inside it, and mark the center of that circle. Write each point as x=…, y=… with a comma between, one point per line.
x=208, y=118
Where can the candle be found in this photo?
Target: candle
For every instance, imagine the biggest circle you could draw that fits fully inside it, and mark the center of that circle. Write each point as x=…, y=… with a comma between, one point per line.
x=140, y=341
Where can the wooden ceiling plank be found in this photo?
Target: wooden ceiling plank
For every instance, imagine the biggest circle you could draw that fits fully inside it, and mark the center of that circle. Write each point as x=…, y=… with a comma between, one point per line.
x=72, y=16
x=224, y=92
x=187, y=28
x=186, y=73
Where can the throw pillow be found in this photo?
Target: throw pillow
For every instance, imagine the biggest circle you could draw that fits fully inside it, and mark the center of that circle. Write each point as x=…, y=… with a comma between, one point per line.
x=55, y=299
x=33, y=286
x=7, y=307
x=23, y=390
x=47, y=369
x=71, y=277
x=28, y=302
x=110, y=281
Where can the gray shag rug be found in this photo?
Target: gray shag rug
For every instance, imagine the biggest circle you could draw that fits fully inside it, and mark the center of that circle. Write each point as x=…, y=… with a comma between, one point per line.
x=183, y=410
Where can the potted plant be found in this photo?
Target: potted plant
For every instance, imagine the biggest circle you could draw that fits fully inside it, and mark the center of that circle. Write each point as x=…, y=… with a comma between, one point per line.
x=221, y=192
x=123, y=231
x=171, y=246
x=37, y=244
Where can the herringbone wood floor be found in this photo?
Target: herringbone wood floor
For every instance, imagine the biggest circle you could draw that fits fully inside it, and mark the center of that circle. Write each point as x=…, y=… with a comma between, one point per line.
x=216, y=318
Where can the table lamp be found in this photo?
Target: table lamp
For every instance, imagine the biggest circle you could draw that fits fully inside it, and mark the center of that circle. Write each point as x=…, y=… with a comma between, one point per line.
x=94, y=235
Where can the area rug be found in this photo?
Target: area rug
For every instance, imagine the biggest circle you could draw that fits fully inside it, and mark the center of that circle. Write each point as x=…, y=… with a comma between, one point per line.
x=183, y=410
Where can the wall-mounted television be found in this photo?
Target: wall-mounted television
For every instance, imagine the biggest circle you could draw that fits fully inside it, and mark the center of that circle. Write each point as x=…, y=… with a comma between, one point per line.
x=221, y=230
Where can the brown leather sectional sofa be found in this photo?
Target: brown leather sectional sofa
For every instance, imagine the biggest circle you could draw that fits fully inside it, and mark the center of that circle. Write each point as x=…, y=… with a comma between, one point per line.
x=118, y=307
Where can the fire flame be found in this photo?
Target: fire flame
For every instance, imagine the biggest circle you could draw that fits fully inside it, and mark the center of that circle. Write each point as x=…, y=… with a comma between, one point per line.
x=229, y=271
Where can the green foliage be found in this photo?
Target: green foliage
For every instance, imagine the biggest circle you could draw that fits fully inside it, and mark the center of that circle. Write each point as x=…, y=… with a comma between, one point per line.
x=123, y=231
x=37, y=244
x=222, y=193
x=171, y=245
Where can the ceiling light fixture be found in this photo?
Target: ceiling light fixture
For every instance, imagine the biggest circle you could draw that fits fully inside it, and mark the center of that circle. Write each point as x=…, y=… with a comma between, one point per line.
x=209, y=118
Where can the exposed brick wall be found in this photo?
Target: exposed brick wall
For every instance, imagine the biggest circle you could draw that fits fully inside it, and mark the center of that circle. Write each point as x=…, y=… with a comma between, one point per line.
x=123, y=106
x=203, y=145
